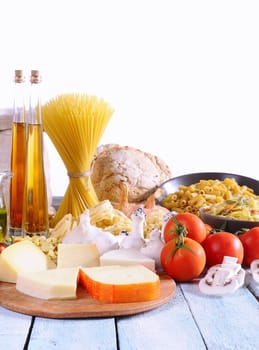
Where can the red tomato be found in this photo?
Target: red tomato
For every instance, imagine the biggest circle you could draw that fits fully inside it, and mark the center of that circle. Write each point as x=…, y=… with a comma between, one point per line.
x=2, y=247
x=183, y=262
x=220, y=244
x=250, y=241
x=193, y=226
x=209, y=228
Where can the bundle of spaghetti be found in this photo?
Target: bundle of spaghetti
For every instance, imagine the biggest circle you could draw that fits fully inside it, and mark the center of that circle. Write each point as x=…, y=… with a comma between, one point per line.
x=75, y=123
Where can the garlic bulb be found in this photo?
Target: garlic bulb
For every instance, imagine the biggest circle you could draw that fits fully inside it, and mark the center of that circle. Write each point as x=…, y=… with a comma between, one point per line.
x=84, y=232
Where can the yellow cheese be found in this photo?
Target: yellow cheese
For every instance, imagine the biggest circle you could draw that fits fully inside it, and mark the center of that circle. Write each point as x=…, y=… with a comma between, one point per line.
x=125, y=257
x=73, y=255
x=49, y=284
x=120, y=284
x=23, y=256
x=7, y=273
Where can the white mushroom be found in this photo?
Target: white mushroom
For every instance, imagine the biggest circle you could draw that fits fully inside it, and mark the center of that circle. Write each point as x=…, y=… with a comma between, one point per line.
x=223, y=278
x=254, y=267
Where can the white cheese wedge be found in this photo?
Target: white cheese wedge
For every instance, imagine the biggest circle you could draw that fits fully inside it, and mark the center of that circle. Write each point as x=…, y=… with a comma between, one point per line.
x=23, y=256
x=49, y=284
x=73, y=255
x=126, y=257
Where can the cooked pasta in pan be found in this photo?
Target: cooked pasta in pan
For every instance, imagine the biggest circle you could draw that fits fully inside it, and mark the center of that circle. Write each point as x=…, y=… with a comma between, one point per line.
x=204, y=193
x=238, y=208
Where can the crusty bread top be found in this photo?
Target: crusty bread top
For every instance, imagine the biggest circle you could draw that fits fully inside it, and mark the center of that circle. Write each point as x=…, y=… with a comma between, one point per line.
x=141, y=171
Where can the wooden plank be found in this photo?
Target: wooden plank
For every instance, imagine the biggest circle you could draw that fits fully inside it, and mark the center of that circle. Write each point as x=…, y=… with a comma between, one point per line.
x=169, y=327
x=76, y=334
x=14, y=328
x=226, y=322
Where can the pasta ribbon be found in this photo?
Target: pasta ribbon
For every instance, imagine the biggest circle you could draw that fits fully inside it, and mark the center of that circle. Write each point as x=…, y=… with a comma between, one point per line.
x=239, y=208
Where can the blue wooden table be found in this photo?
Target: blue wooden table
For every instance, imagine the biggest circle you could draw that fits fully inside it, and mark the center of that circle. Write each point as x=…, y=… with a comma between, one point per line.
x=190, y=320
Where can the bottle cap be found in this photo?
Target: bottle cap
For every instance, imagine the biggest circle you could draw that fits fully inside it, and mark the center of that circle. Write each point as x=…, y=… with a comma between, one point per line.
x=19, y=77
x=35, y=76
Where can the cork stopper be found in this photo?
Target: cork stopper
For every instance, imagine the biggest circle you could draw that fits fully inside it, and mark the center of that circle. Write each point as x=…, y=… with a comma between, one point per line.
x=35, y=76
x=19, y=77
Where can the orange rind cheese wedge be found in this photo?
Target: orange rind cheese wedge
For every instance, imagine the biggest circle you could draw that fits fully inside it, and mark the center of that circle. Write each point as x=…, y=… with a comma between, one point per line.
x=120, y=284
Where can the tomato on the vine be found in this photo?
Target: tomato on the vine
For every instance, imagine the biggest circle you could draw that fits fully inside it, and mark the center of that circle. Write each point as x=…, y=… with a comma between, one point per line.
x=189, y=224
x=250, y=241
x=220, y=244
x=183, y=259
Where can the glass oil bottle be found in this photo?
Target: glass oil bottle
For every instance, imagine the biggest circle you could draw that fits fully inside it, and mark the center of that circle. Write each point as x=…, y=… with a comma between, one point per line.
x=18, y=156
x=35, y=205
x=4, y=212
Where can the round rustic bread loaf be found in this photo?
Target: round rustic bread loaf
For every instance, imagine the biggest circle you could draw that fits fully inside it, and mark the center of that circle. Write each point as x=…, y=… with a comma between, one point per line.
x=141, y=171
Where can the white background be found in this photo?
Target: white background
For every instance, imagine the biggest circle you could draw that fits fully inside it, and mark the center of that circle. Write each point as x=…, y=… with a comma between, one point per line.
x=182, y=76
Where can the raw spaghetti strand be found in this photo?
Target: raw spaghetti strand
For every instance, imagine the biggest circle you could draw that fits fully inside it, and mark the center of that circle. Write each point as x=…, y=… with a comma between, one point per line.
x=75, y=124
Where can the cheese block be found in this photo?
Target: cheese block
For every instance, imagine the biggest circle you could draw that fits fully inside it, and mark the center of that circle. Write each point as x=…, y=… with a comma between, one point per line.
x=7, y=273
x=23, y=256
x=127, y=257
x=49, y=284
x=120, y=284
x=73, y=255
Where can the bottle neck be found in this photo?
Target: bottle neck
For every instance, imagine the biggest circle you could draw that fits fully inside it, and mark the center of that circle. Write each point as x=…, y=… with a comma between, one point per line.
x=19, y=115
x=35, y=116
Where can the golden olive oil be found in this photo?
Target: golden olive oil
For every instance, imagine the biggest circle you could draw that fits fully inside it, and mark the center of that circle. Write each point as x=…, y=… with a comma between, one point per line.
x=35, y=205
x=3, y=224
x=18, y=159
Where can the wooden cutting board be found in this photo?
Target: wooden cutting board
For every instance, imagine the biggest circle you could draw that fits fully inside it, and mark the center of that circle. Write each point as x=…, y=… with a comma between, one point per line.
x=83, y=306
